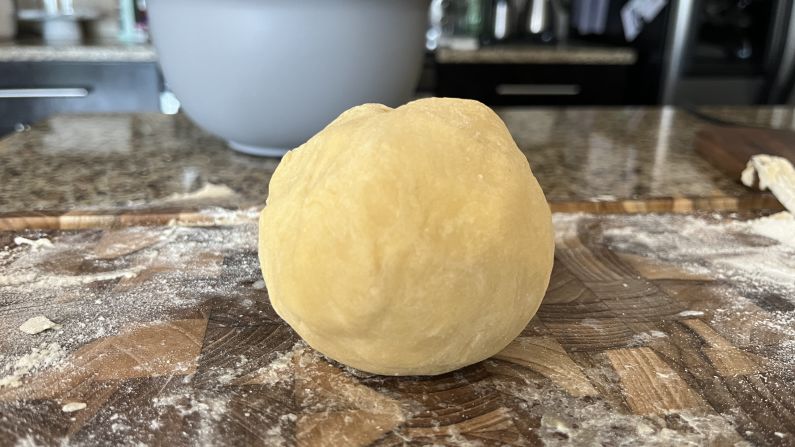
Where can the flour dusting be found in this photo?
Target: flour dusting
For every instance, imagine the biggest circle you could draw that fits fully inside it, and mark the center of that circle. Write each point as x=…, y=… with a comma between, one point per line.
x=753, y=260
x=757, y=254
x=780, y=227
x=592, y=422
x=39, y=358
x=92, y=296
x=280, y=370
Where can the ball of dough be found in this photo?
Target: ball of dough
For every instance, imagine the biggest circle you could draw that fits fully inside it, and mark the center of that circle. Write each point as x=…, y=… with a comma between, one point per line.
x=407, y=241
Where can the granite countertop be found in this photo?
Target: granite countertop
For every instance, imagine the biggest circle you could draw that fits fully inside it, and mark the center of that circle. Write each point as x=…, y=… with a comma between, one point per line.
x=538, y=54
x=109, y=160
x=97, y=51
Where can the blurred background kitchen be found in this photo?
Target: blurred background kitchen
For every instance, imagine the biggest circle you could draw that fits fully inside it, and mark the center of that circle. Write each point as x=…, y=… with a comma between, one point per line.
x=61, y=56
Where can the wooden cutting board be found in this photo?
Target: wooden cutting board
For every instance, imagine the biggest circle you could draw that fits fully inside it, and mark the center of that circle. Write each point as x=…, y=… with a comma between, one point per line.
x=646, y=335
x=729, y=148
x=119, y=218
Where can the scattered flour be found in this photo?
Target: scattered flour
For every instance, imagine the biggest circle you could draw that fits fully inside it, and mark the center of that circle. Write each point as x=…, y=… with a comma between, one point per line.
x=280, y=370
x=783, y=323
x=210, y=410
x=780, y=227
x=752, y=263
x=28, y=441
x=96, y=296
x=592, y=422
x=39, y=358
x=228, y=375
x=38, y=281
x=224, y=216
x=643, y=338
x=89, y=296
x=758, y=255
x=212, y=407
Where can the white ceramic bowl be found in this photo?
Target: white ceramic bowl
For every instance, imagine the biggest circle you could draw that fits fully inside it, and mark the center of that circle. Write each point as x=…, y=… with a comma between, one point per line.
x=268, y=74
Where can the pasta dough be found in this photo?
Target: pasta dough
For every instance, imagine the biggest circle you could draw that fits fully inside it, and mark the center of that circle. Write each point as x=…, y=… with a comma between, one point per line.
x=407, y=241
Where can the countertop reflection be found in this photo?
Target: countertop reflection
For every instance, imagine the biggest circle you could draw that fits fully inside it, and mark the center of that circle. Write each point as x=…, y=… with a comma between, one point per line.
x=111, y=160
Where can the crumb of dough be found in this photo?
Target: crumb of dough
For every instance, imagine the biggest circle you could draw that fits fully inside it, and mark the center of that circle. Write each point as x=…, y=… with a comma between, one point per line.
x=36, y=325
x=34, y=244
x=73, y=406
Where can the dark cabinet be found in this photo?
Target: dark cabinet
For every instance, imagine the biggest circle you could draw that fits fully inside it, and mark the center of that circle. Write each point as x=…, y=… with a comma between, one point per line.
x=32, y=91
x=535, y=84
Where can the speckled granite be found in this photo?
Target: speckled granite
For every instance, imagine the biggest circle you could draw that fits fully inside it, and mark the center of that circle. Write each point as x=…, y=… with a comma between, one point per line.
x=91, y=52
x=101, y=161
x=538, y=54
x=607, y=153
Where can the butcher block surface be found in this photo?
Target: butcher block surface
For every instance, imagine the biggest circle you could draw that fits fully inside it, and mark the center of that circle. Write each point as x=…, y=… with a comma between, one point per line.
x=729, y=148
x=656, y=330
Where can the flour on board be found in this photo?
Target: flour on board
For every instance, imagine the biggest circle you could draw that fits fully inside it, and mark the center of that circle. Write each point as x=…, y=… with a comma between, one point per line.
x=39, y=358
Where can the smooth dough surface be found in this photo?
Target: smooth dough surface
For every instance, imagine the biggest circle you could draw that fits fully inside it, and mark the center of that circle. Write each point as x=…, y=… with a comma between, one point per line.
x=407, y=241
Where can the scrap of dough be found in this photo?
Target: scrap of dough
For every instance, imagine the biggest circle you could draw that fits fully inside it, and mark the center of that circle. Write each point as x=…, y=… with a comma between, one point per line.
x=36, y=325
x=34, y=244
x=776, y=174
x=407, y=241
x=73, y=406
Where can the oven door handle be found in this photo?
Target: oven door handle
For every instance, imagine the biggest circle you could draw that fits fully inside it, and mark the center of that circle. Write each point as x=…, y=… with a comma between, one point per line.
x=538, y=89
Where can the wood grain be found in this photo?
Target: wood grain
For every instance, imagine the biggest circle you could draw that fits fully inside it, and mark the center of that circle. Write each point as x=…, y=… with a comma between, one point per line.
x=578, y=318
x=164, y=349
x=609, y=359
x=730, y=148
x=364, y=415
x=650, y=386
x=346, y=427
x=747, y=327
x=548, y=358
x=115, y=218
x=750, y=201
x=120, y=218
x=728, y=360
x=757, y=411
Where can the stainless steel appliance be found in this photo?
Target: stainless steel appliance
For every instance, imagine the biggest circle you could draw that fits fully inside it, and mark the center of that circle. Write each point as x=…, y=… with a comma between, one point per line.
x=730, y=52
